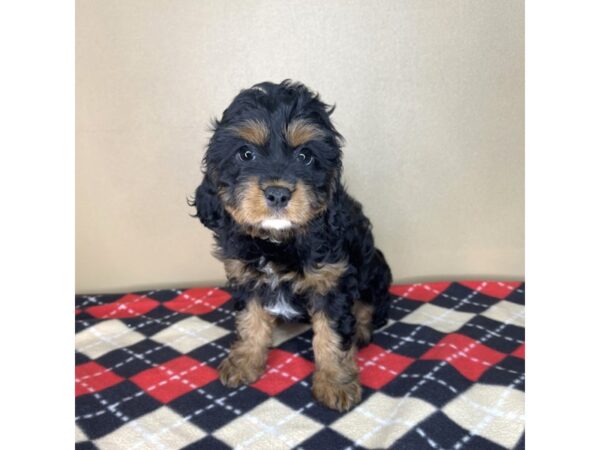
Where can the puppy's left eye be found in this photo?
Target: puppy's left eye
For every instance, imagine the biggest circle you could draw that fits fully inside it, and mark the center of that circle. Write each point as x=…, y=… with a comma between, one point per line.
x=245, y=153
x=305, y=157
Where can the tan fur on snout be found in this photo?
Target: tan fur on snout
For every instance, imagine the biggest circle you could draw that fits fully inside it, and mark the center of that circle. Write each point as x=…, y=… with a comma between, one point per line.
x=248, y=205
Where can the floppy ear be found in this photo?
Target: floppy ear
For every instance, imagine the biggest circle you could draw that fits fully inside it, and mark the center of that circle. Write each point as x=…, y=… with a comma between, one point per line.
x=208, y=206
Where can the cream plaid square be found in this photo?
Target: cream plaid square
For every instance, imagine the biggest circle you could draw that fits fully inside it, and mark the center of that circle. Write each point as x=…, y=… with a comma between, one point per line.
x=159, y=429
x=440, y=319
x=287, y=330
x=494, y=412
x=79, y=435
x=382, y=420
x=507, y=312
x=270, y=425
x=188, y=334
x=104, y=337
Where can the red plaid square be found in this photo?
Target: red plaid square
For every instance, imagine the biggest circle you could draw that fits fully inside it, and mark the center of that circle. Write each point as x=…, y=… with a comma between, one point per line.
x=130, y=305
x=421, y=292
x=174, y=378
x=379, y=366
x=492, y=288
x=283, y=370
x=471, y=358
x=519, y=352
x=92, y=377
x=198, y=301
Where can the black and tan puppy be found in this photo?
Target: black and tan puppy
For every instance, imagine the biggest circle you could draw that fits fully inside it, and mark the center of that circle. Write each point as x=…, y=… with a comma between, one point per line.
x=294, y=243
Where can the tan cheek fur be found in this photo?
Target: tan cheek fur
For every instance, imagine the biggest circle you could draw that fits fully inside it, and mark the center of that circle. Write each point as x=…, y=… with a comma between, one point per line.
x=252, y=208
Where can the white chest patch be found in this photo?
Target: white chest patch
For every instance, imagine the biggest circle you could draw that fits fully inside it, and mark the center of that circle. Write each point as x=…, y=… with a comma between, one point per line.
x=276, y=224
x=282, y=308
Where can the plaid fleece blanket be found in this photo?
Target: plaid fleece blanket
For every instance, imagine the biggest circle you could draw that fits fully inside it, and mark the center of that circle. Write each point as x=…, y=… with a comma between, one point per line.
x=446, y=372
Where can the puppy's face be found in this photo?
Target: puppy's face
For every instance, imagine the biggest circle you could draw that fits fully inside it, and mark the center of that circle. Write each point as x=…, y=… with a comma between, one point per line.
x=274, y=159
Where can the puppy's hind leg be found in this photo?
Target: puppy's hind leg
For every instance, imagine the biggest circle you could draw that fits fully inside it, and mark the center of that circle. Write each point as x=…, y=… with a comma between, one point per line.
x=363, y=313
x=248, y=355
x=377, y=294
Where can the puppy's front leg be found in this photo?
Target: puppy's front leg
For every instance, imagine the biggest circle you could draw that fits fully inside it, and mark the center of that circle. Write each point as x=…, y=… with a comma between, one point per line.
x=248, y=355
x=335, y=382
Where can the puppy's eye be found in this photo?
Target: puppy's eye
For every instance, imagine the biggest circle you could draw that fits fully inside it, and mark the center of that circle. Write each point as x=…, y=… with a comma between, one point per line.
x=305, y=157
x=245, y=154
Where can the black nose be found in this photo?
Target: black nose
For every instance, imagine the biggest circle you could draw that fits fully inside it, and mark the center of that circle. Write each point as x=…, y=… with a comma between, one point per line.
x=277, y=196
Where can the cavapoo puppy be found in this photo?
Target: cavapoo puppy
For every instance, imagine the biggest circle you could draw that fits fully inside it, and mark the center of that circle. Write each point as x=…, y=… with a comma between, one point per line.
x=295, y=245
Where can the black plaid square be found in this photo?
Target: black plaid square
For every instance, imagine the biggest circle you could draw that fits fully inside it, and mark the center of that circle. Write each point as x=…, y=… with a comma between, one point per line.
x=101, y=413
x=438, y=431
x=407, y=339
x=464, y=299
x=505, y=371
x=215, y=405
x=430, y=381
x=517, y=295
x=506, y=341
x=131, y=360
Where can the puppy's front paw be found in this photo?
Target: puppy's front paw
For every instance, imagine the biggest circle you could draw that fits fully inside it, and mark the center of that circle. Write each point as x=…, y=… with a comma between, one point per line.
x=336, y=395
x=235, y=371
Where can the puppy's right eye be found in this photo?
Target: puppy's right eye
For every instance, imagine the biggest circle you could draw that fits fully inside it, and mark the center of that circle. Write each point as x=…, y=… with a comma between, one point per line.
x=245, y=154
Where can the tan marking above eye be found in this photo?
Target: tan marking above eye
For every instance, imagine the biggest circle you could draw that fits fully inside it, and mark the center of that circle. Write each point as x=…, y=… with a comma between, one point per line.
x=254, y=131
x=300, y=131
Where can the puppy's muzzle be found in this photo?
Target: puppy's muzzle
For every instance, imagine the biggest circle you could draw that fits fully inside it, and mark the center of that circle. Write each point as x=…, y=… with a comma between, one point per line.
x=277, y=197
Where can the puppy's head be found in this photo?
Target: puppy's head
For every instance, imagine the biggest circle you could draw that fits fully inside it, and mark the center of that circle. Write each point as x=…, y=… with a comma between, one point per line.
x=272, y=162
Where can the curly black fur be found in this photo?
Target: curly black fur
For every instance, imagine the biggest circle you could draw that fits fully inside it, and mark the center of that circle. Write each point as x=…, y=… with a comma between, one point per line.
x=337, y=232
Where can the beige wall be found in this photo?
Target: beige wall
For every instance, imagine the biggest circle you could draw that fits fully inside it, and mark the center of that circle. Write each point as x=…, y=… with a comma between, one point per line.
x=429, y=97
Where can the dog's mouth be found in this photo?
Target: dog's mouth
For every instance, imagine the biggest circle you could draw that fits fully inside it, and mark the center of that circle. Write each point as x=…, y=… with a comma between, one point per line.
x=258, y=212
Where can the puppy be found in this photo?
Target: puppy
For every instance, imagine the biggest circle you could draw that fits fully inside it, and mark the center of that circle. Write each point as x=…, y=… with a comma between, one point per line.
x=295, y=245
